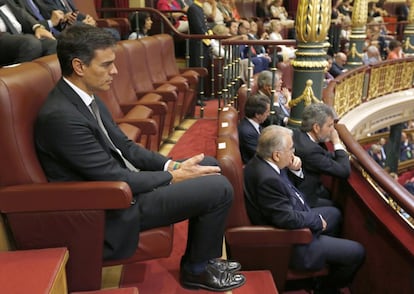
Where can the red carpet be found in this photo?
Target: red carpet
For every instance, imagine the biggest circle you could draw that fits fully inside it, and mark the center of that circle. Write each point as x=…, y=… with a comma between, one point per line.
x=200, y=138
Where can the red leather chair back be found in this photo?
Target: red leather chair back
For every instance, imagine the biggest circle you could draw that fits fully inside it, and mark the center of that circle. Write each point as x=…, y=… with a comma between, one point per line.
x=140, y=74
x=153, y=53
x=228, y=155
x=51, y=63
x=227, y=123
x=23, y=90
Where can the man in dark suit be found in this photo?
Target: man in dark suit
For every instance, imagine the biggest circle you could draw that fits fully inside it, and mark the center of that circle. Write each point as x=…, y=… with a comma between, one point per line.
x=200, y=49
x=337, y=67
x=73, y=15
x=22, y=38
x=272, y=199
x=51, y=20
x=77, y=140
x=272, y=87
x=257, y=109
x=316, y=129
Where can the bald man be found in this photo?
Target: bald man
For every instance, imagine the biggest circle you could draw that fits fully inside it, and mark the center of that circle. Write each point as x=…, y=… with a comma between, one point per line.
x=338, y=64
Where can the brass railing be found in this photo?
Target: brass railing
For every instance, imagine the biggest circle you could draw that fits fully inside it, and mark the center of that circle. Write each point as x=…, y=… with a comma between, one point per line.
x=366, y=83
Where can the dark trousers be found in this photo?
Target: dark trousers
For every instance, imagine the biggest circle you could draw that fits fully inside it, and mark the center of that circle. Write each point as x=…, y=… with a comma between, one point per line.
x=205, y=201
x=343, y=257
x=23, y=47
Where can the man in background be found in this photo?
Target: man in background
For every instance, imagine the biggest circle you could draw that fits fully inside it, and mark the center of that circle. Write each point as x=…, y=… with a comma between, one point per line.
x=22, y=38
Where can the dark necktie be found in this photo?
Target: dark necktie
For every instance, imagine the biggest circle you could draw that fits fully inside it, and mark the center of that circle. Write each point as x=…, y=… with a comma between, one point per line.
x=10, y=27
x=96, y=112
x=285, y=177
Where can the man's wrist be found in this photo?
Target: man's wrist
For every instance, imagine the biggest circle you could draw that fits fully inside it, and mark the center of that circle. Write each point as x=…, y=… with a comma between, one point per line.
x=37, y=26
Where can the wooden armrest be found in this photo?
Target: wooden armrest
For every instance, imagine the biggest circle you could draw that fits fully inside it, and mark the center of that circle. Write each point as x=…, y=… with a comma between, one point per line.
x=201, y=71
x=158, y=107
x=249, y=235
x=147, y=126
x=65, y=196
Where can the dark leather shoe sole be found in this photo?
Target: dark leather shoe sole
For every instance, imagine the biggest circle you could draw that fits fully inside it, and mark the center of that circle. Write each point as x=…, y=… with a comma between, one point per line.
x=212, y=279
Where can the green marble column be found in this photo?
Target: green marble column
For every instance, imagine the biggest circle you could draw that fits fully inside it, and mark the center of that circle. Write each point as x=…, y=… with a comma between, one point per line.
x=408, y=38
x=358, y=33
x=313, y=18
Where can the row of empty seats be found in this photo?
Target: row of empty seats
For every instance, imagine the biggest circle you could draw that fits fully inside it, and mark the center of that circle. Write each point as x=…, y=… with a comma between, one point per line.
x=38, y=214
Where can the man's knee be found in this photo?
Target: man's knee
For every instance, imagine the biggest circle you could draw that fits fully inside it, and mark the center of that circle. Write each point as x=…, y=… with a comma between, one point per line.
x=30, y=48
x=221, y=188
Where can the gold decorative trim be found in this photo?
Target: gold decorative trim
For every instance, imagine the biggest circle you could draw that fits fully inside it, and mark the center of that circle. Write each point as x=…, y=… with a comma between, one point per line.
x=307, y=96
x=309, y=64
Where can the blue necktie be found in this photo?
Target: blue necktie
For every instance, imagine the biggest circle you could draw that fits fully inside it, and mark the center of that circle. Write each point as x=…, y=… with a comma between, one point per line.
x=283, y=174
x=35, y=10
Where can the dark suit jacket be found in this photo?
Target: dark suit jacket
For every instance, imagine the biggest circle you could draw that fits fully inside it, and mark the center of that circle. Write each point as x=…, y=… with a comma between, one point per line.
x=72, y=147
x=197, y=24
x=57, y=5
x=22, y=16
x=316, y=161
x=44, y=10
x=248, y=138
x=336, y=70
x=274, y=203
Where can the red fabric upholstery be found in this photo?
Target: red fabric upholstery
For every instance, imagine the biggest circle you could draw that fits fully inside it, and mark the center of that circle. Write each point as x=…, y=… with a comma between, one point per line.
x=41, y=214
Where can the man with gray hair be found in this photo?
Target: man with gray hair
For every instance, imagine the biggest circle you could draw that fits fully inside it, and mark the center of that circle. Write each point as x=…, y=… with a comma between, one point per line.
x=316, y=129
x=281, y=96
x=272, y=199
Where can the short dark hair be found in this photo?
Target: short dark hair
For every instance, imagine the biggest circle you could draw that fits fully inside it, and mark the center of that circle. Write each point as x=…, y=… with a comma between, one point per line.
x=256, y=104
x=81, y=41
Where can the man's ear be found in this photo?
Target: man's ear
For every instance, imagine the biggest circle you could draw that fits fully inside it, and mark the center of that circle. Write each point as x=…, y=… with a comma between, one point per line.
x=78, y=66
x=275, y=156
x=316, y=128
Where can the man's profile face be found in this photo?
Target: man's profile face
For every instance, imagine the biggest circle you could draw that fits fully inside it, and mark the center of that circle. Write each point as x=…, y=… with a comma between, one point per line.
x=323, y=133
x=262, y=117
x=98, y=75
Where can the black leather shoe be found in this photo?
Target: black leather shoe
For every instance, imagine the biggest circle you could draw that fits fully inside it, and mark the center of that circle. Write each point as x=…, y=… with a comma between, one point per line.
x=225, y=265
x=212, y=279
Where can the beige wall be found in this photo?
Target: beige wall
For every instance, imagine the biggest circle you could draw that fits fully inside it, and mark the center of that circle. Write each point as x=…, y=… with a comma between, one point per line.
x=136, y=3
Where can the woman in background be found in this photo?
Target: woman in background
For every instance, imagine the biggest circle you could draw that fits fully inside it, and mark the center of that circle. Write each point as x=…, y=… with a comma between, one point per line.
x=141, y=24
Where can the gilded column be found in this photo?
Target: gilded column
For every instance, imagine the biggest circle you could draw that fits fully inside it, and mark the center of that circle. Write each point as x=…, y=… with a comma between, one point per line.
x=358, y=33
x=408, y=39
x=313, y=18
